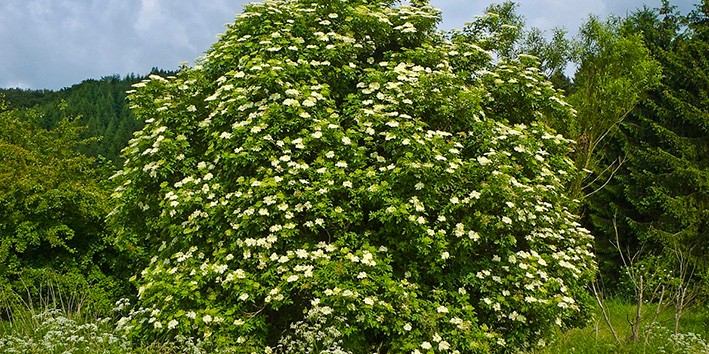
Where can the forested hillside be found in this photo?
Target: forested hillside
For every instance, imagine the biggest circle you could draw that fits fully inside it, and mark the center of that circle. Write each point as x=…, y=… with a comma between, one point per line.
x=100, y=105
x=343, y=177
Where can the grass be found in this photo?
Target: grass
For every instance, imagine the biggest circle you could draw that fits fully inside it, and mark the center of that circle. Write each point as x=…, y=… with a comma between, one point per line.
x=693, y=337
x=55, y=321
x=63, y=324
x=55, y=331
x=49, y=320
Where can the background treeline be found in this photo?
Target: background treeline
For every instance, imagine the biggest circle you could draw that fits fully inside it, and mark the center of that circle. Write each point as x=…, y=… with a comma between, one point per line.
x=640, y=86
x=641, y=92
x=99, y=105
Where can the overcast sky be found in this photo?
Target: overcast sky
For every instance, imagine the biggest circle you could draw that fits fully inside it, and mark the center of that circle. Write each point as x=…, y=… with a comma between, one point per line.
x=51, y=44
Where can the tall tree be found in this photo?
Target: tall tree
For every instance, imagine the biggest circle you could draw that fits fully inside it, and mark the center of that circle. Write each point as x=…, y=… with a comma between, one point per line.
x=528, y=56
x=554, y=54
x=99, y=105
x=500, y=30
x=615, y=72
x=659, y=198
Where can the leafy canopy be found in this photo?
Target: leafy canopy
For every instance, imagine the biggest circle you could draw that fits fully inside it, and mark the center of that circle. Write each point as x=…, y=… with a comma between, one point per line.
x=337, y=176
x=52, y=207
x=616, y=70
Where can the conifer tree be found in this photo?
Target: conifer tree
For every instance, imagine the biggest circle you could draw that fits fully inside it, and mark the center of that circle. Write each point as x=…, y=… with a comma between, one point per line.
x=659, y=199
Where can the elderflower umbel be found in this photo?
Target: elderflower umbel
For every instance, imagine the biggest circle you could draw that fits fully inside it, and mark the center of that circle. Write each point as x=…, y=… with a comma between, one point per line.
x=172, y=324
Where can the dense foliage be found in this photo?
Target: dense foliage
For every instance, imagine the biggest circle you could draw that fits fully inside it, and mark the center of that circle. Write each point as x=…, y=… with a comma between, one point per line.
x=52, y=207
x=336, y=176
x=658, y=198
x=615, y=72
x=98, y=105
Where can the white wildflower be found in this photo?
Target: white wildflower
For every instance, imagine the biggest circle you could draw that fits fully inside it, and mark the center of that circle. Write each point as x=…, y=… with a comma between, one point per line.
x=172, y=324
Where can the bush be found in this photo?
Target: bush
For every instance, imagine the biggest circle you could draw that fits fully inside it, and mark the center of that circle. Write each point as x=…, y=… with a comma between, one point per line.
x=332, y=177
x=53, y=204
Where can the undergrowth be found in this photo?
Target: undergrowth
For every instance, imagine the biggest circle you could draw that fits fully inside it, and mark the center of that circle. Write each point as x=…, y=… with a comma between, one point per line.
x=657, y=337
x=58, y=324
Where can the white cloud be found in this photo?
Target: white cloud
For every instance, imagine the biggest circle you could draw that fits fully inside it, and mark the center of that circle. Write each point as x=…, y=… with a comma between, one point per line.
x=57, y=43
x=16, y=84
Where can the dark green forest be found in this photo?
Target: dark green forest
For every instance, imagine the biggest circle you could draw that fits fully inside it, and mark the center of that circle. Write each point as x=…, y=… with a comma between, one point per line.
x=99, y=105
x=631, y=95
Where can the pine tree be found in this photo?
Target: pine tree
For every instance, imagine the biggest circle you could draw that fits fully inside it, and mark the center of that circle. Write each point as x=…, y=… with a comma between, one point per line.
x=659, y=199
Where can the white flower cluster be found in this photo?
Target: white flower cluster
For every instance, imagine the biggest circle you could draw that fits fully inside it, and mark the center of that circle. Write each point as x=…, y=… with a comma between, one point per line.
x=55, y=331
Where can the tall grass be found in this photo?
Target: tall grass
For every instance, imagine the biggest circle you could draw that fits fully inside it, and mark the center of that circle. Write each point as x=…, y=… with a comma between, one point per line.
x=65, y=321
x=53, y=320
x=657, y=337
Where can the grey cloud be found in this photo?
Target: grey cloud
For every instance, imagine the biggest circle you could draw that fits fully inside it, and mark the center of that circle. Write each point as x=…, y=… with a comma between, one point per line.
x=57, y=43
x=53, y=44
x=547, y=14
